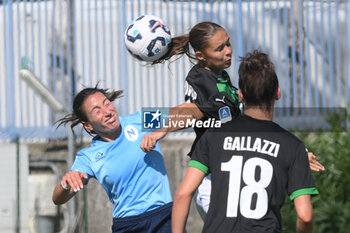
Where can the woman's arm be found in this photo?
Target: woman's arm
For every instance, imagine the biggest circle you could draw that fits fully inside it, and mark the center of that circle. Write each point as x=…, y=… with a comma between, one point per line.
x=183, y=197
x=70, y=184
x=180, y=113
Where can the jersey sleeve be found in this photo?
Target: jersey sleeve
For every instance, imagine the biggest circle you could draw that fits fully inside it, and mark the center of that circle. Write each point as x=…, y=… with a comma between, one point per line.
x=82, y=164
x=300, y=181
x=200, y=155
x=136, y=118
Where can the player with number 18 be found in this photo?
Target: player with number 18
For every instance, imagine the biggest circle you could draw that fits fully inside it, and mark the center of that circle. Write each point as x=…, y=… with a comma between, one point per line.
x=253, y=164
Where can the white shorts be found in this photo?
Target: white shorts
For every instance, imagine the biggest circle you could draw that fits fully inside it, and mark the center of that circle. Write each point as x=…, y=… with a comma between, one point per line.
x=202, y=196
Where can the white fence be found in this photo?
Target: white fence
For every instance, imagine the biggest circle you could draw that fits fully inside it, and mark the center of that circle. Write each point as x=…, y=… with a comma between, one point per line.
x=69, y=45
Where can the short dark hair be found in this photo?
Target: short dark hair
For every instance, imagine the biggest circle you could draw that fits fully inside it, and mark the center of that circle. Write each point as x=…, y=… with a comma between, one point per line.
x=258, y=81
x=78, y=114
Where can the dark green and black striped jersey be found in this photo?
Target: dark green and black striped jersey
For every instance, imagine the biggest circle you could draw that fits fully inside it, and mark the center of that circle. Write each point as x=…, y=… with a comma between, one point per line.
x=210, y=92
x=253, y=165
x=214, y=95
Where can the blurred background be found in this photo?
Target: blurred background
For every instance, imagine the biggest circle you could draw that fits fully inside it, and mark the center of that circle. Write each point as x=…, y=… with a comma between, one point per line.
x=67, y=45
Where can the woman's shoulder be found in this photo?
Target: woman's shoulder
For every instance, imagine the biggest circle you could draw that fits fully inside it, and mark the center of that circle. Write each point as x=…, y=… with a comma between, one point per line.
x=198, y=74
x=132, y=118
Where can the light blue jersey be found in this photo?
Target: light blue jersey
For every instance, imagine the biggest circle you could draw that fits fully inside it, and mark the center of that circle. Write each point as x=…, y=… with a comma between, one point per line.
x=136, y=182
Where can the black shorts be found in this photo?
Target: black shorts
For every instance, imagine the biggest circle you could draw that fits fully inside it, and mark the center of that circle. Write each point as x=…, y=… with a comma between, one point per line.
x=154, y=221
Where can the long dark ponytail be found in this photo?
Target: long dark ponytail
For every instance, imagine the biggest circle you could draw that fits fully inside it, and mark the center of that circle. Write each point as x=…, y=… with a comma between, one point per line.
x=197, y=38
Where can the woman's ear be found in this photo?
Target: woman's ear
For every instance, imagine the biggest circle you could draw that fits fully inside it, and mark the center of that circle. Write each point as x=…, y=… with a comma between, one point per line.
x=87, y=126
x=240, y=95
x=200, y=56
x=278, y=93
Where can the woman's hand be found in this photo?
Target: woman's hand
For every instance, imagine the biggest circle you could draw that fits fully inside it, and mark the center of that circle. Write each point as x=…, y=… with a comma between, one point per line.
x=314, y=164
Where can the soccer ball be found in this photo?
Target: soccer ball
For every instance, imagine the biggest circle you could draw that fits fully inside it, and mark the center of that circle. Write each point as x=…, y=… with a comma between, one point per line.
x=147, y=38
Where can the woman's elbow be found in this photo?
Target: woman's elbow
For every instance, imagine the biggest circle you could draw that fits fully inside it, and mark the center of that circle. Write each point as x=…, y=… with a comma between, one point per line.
x=182, y=195
x=306, y=217
x=56, y=201
x=59, y=200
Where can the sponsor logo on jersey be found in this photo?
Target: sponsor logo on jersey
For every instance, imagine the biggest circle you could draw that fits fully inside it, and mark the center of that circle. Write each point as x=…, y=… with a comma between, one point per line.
x=190, y=93
x=225, y=114
x=131, y=133
x=99, y=156
x=220, y=100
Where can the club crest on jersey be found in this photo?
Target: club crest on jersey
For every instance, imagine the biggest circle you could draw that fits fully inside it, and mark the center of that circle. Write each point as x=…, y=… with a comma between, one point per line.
x=225, y=114
x=131, y=133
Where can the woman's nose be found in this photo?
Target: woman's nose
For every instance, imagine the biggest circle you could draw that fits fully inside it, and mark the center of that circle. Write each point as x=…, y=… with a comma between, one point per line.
x=105, y=111
x=229, y=50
